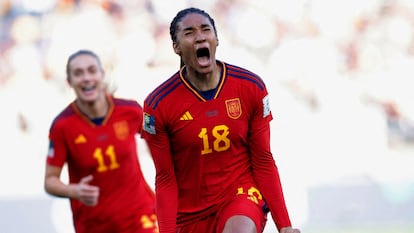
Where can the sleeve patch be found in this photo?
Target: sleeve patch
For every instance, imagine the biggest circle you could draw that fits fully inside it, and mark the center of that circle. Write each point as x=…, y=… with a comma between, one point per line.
x=149, y=123
x=266, y=106
x=51, y=150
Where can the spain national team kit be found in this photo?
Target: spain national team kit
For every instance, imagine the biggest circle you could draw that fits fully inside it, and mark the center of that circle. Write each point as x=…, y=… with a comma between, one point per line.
x=108, y=151
x=219, y=141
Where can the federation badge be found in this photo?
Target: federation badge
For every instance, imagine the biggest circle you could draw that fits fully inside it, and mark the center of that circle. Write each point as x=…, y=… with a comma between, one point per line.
x=233, y=107
x=149, y=123
x=121, y=130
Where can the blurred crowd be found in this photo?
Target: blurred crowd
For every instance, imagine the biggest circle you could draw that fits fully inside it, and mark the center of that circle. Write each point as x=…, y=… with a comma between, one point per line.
x=347, y=62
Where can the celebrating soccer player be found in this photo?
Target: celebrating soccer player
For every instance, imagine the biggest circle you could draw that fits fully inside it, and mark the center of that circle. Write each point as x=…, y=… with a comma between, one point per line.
x=208, y=131
x=95, y=136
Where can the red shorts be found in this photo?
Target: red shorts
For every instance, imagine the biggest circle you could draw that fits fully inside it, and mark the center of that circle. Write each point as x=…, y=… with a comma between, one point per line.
x=145, y=223
x=247, y=202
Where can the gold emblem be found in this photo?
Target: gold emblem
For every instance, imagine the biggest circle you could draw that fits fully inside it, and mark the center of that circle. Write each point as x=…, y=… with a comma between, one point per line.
x=186, y=117
x=80, y=139
x=121, y=130
x=233, y=108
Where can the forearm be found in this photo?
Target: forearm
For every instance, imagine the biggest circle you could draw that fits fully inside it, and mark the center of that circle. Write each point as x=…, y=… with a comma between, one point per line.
x=54, y=186
x=271, y=188
x=166, y=215
x=267, y=176
x=166, y=189
x=166, y=192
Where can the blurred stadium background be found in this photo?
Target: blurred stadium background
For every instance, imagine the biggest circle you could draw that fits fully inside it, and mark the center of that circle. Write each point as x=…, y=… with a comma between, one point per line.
x=338, y=73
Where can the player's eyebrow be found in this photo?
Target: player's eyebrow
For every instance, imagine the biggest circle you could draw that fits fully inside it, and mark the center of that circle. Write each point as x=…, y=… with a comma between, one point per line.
x=190, y=28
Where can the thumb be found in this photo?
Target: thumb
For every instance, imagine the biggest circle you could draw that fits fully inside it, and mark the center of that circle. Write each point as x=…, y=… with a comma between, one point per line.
x=86, y=179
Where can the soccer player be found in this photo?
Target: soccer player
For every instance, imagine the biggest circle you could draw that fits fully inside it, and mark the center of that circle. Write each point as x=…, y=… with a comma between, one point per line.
x=208, y=131
x=95, y=136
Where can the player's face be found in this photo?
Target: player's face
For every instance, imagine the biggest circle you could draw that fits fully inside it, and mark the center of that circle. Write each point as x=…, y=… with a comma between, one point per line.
x=196, y=43
x=86, y=78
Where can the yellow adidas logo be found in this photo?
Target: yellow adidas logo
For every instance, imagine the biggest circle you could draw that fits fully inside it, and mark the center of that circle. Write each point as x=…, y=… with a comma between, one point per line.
x=80, y=139
x=186, y=117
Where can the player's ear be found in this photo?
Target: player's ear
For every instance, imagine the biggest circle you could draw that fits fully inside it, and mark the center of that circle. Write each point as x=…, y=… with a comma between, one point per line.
x=176, y=48
x=68, y=81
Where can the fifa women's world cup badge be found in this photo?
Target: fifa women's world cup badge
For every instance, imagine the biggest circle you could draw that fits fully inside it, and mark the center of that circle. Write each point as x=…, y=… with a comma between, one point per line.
x=149, y=123
x=233, y=107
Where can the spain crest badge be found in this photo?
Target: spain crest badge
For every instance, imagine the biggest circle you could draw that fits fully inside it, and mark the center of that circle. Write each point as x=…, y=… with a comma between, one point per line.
x=233, y=107
x=121, y=130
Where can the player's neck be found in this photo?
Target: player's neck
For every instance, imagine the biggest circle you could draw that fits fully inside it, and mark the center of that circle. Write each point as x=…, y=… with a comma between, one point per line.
x=203, y=81
x=95, y=109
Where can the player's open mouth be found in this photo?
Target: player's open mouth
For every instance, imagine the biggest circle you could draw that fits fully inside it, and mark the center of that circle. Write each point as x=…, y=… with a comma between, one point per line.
x=203, y=52
x=88, y=89
x=203, y=56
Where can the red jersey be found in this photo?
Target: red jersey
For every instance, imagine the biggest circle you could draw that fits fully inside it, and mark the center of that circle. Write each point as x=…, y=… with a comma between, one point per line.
x=108, y=152
x=204, y=149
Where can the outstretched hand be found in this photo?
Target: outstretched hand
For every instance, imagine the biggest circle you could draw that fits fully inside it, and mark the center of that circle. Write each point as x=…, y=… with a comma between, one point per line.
x=289, y=230
x=86, y=193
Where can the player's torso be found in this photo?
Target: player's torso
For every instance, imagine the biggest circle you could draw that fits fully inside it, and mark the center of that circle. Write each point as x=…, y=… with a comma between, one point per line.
x=101, y=149
x=209, y=128
x=209, y=139
x=109, y=153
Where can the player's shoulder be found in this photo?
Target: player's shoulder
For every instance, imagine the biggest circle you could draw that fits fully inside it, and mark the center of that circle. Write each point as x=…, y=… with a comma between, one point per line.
x=117, y=101
x=162, y=91
x=125, y=105
x=241, y=74
x=63, y=116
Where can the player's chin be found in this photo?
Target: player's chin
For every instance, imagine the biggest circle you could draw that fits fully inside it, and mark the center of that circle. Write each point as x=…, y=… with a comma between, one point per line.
x=88, y=96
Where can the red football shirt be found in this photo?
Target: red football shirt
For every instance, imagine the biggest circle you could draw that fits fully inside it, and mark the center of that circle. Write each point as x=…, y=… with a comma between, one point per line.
x=204, y=149
x=108, y=152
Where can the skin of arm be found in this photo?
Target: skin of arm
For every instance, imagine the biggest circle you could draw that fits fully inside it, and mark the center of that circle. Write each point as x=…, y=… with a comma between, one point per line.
x=82, y=191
